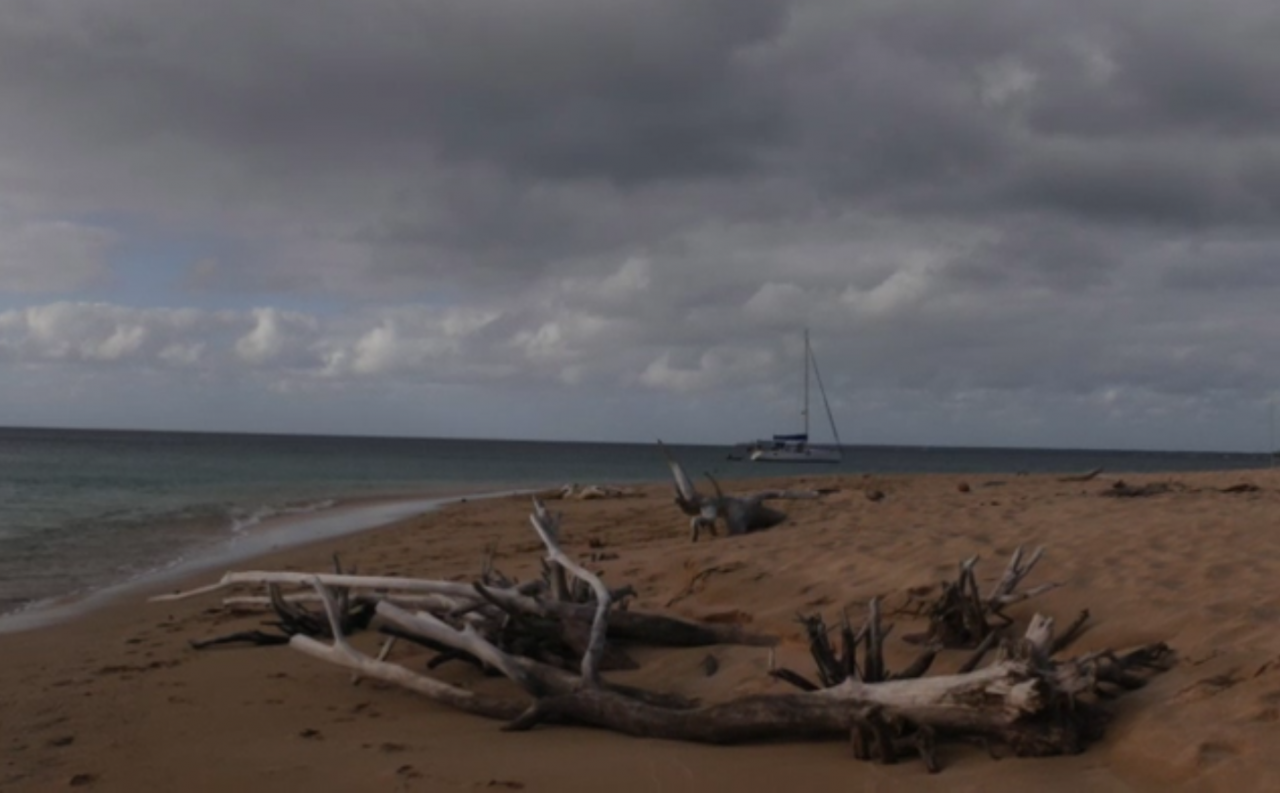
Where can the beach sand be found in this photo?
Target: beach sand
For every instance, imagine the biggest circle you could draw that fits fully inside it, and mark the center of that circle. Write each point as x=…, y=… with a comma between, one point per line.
x=117, y=701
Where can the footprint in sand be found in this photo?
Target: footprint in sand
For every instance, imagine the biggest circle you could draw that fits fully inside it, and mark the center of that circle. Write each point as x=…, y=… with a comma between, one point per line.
x=1208, y=687
x=408, y=772
x=1211, y=753
x=1266, y=714
x=1268, y=708
x=1220, y=572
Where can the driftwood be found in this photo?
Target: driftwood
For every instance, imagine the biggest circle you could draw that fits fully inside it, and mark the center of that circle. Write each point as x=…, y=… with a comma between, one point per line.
x=1121, y=490
x=1085, y=477
x=461, y=600
x=550, y=621
x=1243, y=487
x=293, y=619
x=554, y=642
x=740, y=514
x=576, y=492
x=962, y=617
x=1025, y=699
x=885, y=736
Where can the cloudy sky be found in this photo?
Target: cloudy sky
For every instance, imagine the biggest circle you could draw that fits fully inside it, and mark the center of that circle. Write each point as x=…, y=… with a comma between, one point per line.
x=1005, y=222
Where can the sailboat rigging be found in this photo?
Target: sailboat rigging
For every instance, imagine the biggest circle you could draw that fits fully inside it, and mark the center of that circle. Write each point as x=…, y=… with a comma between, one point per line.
x=795, y=448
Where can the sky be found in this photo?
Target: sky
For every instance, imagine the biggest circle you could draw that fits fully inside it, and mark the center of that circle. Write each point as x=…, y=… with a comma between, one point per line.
x=1005, y=223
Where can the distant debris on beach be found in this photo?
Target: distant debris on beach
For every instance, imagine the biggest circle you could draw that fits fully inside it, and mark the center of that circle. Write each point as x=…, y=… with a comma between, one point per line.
x=1085, y=477
x=576, y=492
x=1119, y=489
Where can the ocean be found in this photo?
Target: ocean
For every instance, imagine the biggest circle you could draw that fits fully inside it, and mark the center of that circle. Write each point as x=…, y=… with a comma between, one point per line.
x=82, y=512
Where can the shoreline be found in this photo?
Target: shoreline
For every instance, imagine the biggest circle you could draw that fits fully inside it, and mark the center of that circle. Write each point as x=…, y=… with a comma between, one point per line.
x=359, y=514
x=55, y=597
x=281, y=532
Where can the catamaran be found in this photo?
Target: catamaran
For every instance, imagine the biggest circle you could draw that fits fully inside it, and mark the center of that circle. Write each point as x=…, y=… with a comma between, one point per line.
x=795, y=448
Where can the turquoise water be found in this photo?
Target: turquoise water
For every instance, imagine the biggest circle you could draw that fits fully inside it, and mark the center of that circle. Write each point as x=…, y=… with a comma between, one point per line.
x=83, y=510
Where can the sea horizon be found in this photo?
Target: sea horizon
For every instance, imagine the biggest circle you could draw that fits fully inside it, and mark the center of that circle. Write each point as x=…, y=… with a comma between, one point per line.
x=746, y=438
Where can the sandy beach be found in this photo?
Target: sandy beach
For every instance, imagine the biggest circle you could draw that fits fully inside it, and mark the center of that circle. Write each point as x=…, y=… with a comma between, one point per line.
x=117, y=700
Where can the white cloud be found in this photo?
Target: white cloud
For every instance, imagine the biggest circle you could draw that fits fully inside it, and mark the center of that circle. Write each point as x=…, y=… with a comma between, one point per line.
x=544, y=343
x=186, y=354
x=124, y=340
x=566, y=338
x=630, y=281
x=1097, y=60
x=906, y=287
x=77, y=332
x=661, y=374
x=265, y=341
x=1004, y=82
x=785, y=301
x=379, y=350
x=402, y=340
x=719, y=367
x=384, y=350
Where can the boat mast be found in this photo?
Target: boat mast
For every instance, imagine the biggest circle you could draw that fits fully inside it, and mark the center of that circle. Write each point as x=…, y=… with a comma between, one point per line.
x=805, y=410
x=835, y=433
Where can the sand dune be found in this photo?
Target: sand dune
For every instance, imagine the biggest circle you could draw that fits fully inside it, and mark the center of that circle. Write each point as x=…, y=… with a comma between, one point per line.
x=117, y=701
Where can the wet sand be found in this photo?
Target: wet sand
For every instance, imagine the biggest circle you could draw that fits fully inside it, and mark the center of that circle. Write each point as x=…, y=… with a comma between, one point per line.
x=117, y=701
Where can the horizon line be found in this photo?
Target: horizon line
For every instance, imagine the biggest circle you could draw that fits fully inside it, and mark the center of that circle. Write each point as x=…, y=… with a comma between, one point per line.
x=389, y=437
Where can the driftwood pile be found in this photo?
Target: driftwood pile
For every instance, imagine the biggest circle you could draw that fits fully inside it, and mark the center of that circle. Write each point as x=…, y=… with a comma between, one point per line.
x=740, y=514
x=576, y=492
x=961, y=617
x=1121, y=489
x=553, y=640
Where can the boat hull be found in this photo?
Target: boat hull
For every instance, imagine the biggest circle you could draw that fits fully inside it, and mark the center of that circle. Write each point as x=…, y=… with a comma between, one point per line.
x=807, y=455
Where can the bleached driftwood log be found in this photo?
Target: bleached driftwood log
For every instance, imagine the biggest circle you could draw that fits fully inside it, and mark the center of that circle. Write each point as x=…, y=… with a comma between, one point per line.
x=369, y=584
x=548, y=529
x=1026, y=700
x=741, y=514
x=576, y=492
x=517, y=617
x=260, y=602
x=354, y=614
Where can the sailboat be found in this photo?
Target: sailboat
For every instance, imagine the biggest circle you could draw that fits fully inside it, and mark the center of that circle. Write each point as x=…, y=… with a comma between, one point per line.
x=795, y=448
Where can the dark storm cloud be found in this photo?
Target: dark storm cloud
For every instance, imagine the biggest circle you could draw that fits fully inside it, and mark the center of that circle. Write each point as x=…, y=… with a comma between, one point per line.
x=445, y=138
x=1204, y=67
x=455, y=115
x=1225, y=266
x=626, y=91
